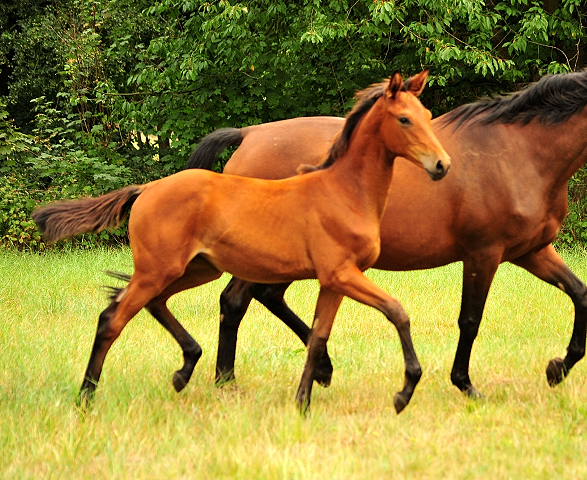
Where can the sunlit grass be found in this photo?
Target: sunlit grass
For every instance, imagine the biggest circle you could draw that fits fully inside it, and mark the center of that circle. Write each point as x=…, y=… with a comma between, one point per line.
x=140, y=428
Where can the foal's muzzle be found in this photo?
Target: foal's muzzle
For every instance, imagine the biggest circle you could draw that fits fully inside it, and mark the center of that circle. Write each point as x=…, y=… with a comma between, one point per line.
x=440, y=169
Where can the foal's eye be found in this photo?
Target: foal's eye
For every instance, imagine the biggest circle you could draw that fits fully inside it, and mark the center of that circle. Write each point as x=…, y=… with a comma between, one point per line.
x=404, y=121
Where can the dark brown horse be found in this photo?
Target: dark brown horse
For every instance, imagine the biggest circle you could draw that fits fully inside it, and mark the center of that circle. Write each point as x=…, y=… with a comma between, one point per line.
x=186, y=229
x=504, y=200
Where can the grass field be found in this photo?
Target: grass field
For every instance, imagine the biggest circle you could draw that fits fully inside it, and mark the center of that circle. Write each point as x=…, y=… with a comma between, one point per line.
x=139, y=428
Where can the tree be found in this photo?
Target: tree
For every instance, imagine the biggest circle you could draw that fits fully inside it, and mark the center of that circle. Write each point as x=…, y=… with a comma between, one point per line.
x=113, y=92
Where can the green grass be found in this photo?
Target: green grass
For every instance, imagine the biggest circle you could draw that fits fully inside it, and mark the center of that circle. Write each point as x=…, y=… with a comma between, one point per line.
x=140, y=428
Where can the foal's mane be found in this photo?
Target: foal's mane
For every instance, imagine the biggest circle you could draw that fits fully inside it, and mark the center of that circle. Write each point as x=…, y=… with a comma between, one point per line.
x=551, y=100
x=367, y=99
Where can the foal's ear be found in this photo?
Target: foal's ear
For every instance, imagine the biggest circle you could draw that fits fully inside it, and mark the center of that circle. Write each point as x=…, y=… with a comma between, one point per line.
x=417, y=83
x=395, y=84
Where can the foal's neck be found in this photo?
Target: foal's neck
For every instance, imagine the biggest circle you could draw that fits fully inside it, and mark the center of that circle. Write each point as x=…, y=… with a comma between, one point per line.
x=365, y=169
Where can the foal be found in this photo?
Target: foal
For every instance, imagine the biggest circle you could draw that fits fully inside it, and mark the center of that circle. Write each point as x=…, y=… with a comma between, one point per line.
x=188, y=228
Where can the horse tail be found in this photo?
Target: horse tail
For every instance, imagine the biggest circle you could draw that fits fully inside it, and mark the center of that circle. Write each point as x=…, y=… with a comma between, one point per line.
x=113, y=292
x=204, y=156
x=88, y=215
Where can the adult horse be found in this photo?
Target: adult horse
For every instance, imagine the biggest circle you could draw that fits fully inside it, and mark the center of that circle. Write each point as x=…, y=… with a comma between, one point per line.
x=188, y=228
x=505, y=200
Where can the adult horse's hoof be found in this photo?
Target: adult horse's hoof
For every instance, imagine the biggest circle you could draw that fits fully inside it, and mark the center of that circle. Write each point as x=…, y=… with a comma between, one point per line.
x=399, y=402
x=225, y=379
x=472, y=393
x=555, y=371
x=179, y=382
x=84, y=401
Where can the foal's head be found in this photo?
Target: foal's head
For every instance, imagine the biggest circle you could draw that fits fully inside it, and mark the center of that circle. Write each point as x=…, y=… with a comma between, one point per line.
x=406, y=129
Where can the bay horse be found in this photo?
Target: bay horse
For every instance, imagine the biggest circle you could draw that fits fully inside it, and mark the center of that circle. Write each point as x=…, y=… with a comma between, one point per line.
x=504, y=201
x=188, y=228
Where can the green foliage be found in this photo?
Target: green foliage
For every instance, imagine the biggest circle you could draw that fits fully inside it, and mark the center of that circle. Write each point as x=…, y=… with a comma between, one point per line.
x=16, y=203
x=111, y=92
x=574, y=229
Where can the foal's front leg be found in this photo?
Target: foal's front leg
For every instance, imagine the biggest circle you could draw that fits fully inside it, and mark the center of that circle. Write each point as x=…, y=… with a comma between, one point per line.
x=355, y=285
x=352, y=283
x=234, y=301
x=326, y=308
x=271, y=297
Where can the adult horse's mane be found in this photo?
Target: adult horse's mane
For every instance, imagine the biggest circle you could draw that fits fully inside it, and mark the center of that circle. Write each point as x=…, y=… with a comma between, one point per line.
x=367, y=99
x=551, y=100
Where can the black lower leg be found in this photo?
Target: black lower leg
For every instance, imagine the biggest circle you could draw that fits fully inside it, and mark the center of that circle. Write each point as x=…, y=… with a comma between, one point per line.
x=413, y=371
x=316, y=348
x=271, y=297
x=460, y=370
x=558, y=368
x=182, y=377
x=234, y=302
x=190, y=348
x=102, y=342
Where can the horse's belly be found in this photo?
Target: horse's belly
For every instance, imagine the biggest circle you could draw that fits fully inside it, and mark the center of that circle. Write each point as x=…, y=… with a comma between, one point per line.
x=411, y=246
x=261, y=267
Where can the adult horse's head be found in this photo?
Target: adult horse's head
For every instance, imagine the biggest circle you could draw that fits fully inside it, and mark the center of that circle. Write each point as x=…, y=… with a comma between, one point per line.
x=407, y=130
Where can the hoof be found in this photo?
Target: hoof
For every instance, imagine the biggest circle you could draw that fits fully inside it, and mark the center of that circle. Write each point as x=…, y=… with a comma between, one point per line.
x=303, y=408
x=555, y=371
x=323, y=372
x=399, y=402
x=228, y=385
x=303, y=401
x=83, y=402
x=472, y=393
x=86, y=396
x=179, y=382
x=323, y=377
x=225, y=379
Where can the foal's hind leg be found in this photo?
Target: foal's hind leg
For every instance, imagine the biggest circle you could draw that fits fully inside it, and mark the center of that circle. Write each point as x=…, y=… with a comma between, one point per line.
x=271, y=297
x=191, y=349
x=547, y=265
x=110, y=324
x=198, y=272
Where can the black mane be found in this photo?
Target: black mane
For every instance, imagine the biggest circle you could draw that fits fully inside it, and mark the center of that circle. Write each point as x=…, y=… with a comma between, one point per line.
x=367, y=99
x=551, y=100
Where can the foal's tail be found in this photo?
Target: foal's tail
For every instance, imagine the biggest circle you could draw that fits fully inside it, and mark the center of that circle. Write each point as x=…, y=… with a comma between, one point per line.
x=88, y=215
x=114, y=291
x=204, y=156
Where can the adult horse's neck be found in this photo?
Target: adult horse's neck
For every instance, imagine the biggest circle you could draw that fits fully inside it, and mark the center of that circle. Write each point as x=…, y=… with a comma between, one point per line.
x=571, y=143
x=561, y=148
x=365, y=169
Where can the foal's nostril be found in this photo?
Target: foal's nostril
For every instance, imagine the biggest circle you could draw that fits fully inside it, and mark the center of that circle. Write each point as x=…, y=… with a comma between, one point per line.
x=439, y=166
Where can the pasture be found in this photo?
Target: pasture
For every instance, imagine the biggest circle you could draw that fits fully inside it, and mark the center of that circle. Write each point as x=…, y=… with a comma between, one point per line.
x=139, y=428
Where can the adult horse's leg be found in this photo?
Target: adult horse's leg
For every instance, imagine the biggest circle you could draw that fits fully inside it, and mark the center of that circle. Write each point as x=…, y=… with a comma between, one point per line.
x=478, y=274
x=352, y=283
x=234, y=301
x=271, y=297
x=547, y=265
